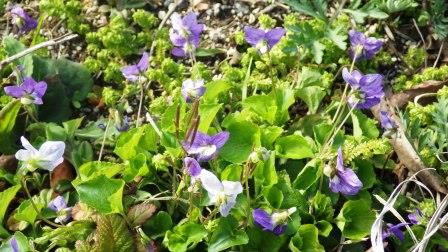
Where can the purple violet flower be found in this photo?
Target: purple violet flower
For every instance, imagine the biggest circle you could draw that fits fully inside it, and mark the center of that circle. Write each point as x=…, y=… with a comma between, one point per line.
x=345, y=180
x=14, y=245
x=135, y=73
x=29, y=91
x=394, y=230
x=59, y=205
x=261, y=39
x=193, y=168
x=363, y=47
x=386, y=121
x=22, y=20
x=415, y=217
x=123, y=124
x=275, y=223
x=221, y=194
x=192, y=89
x=205, y=147
x=367, y=90
x=185, y=34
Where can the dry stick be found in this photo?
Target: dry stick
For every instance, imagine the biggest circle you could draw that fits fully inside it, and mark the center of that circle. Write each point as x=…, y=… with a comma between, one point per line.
x=438, y=55
x=422, y=38
x=48, y=43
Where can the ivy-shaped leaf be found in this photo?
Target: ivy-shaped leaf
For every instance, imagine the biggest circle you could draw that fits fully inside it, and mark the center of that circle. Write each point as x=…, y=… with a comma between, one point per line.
x=112, y=234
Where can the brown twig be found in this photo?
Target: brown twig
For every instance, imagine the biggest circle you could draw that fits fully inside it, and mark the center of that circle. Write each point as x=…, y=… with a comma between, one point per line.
x=401, y=99
x=48, y=43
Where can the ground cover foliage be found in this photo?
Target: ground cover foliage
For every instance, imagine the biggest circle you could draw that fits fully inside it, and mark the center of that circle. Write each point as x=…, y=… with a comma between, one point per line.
x=136, y=126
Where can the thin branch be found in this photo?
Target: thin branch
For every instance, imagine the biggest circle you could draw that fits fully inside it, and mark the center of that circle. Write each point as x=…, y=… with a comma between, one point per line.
x=438, y=55
x=48, y=43
x=422, y=38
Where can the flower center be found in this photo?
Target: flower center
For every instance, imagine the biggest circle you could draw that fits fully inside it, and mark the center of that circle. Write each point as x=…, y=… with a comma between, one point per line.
x=358, y=49
x=221, y=199
x=282, y=217
x=262, y=46
x=207, y=150
x=356, y=97
x=27, y=100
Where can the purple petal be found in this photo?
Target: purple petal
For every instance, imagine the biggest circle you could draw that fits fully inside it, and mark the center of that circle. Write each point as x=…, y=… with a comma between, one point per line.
x=371, y=47
x=192, y=166
x=130, y=72
x=253, y=36
x=190, y=21
x=38, y=100
x=14, y=245
x=356, y=37
x=177, y=39
x=395, y=230
x=340, y=160
x=28, y=84
x=57, y=204
x=143, y=64
x=263, y=219
x=367, y=103
x=178, y=52
x=220, y=139
x=225, y=208
x=345, y=182
x=14, y=91
x=414, y=217
x=352, y=78
x=40, y=88
x=386, y=121
x=274, y=35
x=280, y=229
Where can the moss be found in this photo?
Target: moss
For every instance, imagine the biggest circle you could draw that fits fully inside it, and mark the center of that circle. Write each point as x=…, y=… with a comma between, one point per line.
x=70, y=10
x=110, y=96
x=365, y=149
x=428, y=157
x=430, y=73
x=414, y=57
x=442, y=93
x=145, y=19
x=423, y=114
x=266, y=22
x=239, y=37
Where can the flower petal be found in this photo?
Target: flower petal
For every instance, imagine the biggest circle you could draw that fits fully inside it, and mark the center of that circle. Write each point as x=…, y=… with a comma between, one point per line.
x=273, y=36
x=210, y=182
x=57, y=204
x=352, y=78
x=220, y=139
x=192, y=166
x=130, y=72
x=232, y=187
x=263, y=219
x=253, y=36
x=40, y=88
x=178, y=52
x=280, y=229
x=143, y=64
x=225, y=208
x=14, y=91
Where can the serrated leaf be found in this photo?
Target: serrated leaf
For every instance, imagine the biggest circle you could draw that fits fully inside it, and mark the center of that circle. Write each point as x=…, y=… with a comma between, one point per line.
x=317, y=49
x=314, y=8
x=113, y=234
x=337, y=38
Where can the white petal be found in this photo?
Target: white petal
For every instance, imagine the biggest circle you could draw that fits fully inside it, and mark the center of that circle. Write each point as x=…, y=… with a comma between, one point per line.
x=232, y=187
x=24, y=155
x=26, y=144
x=52, y=151
x=210, y=182
x=224, y=209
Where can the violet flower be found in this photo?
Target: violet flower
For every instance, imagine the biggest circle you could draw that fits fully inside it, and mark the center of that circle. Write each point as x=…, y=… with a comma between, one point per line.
x=192, y=89
x=122, y=124
x=221, y=194
x=367, y=90
x=63, y=212
x=344, y=180
x=22, y=20
x=394, y=230
x=205, y=147
x=185, y=34
x=261, y=39
x=386, y=121
x=193, y=168
x=135, y=73
x=47, y=157
x=29, y=91
x=363, y=47
x=14, y=245
x=415, y=217
x=275, y=223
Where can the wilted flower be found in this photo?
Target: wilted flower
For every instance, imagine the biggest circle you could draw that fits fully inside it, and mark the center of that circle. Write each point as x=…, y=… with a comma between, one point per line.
x=29, y=91
x=344, y=180
x=59, y=205
x=14, y=245
x=193, y=168
x=363, y=47
x=47, y=157
x=192, y=89
x=275, y=223
x=135, y=72
x=205, y=147
x=386, y=121
x=261, y=39
x=185, y=34
x=221, y=194
x=416, y=216
x=22, y=20
x=367, y=90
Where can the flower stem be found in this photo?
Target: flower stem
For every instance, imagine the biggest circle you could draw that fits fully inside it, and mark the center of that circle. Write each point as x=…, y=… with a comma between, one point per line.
x=246, y=79
x=140, y=103
x=104, y=138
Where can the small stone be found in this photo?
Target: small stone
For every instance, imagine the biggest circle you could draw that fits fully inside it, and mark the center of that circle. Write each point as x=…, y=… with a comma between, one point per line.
x=161, y=14
x=252, y=18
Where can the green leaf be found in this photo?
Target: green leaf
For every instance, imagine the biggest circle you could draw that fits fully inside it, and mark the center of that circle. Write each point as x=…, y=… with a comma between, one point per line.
x=317, y=49
x=265, y=173
x=269, y=135
x=262, y=105
x=6, y=197
x=73, y=231
x=312, y=96
x=129, y=4
x=308, y=241
x=8, y=117
x=337, y=37
x=158, y=225
x=22, y=243
x=308, y=175
x=232, y=172
x=13, y=46
x=81, y=154
x=26, y=211
x=226, y=235
x=113, y=234
x=207, y=52
x=207, y=113
x=366, y=173
x=135, y=141
x=294, y=147
x=183, y=236
x=72, y=125
x=314, y=8
x=284, y=98
x=274, y=196
x=102, y=193
x=96, y=168
x=260, y=240
x=244, y=137
x=137, y=167
x=364, y=126
x=355, y=219
x=214, y=88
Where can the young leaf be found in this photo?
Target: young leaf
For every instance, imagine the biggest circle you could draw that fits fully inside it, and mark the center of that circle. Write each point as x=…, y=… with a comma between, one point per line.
x=226, y=235
x=355, y=219
x=8, y=116
x=184, y=236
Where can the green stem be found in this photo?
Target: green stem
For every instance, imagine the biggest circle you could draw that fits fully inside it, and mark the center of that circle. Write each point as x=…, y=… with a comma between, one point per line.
x=246, y=79
x=104, y=138
x=37, y=31
x=343, y=97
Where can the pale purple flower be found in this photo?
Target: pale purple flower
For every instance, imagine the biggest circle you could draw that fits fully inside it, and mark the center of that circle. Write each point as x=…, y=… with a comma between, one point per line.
x=29, y=91
x=363, y=47
x=344, y=180
x=59, y=205
x=134, y=73
x=192, y=89
x=14, y=245
x=275, y=222
x=193, y=168
x=185, y=34
x=261, y=39
x=367, y=90
x=122, y=124
x=205, y=147
x=22, y=20
x=394, y=230
x=221, y=194
x=49, y=155
x=415, y=217
x=386, y=121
